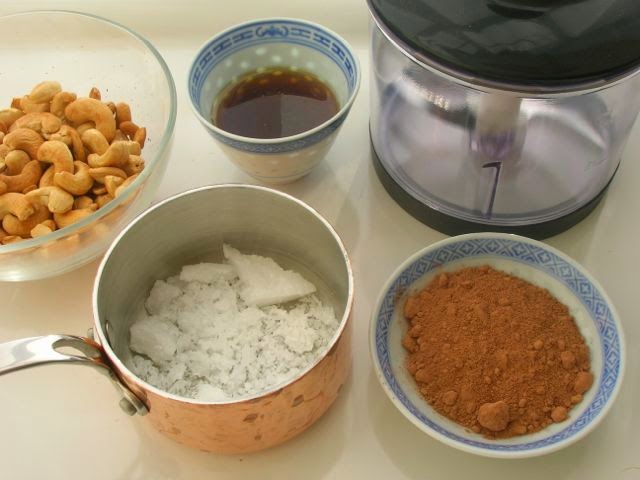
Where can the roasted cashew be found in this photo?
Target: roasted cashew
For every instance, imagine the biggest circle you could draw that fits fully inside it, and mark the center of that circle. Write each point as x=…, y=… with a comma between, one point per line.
x=89, y=109
x=8, y=239
x=116, y=155
x=54, y=198
x=44, y=92
x=120, y=137
x=13, y=226
x=29, y=106
x=128, y=128
x=83, y=127
x=99, y=190
x=43, y=228
x=46, y=180
x=77, y=183
x=111, y=183
x=76, y=142
x=70, y=137
x=94, y=141
x=99, y=174
x=140, y=136
x=30, y=175
x=95, y=93
x=4, y=150
x=2, y=134
x=125, y=184
x=15, y=161
x=16, y=204
x=60, y=101
x=123, y=113
x=24, y=139
x=102, y=200
x=41, y=122
x=57, y=153
x=84, y=202
x=68, y=218
x=30, y=188
x=134, y=165
x=10, y=115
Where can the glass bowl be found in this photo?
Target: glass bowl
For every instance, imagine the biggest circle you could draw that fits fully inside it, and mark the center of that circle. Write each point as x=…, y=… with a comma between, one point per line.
x=82, y=51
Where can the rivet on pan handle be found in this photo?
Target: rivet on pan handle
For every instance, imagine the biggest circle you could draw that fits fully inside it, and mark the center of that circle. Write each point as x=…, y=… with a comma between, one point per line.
x=36, y=351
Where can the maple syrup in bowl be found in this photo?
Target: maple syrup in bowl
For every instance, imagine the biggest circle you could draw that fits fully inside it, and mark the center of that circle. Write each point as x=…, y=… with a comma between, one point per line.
x=274, y=93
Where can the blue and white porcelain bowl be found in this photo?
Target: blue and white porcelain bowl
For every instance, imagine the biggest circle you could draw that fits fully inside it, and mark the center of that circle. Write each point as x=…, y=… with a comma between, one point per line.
x=267, y=43
x=537, y=263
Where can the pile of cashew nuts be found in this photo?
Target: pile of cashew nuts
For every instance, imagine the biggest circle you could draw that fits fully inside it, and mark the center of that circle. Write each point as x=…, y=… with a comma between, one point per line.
x=61, y=158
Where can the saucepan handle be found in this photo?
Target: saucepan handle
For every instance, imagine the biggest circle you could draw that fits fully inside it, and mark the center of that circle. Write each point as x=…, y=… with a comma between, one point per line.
x=35, y=351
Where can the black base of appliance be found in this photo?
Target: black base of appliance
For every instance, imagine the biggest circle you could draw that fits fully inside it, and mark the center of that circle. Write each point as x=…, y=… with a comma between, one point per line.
x=455, y=226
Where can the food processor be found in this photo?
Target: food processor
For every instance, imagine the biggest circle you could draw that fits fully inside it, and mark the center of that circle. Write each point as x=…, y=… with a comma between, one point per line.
x=503, y=115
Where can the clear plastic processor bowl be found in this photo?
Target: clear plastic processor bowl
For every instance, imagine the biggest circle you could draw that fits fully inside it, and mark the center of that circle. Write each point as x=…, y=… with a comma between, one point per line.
x=82, y=51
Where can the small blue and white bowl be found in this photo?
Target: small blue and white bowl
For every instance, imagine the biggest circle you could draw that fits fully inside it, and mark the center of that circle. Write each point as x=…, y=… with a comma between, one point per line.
x=267, y=43
x=537, y=263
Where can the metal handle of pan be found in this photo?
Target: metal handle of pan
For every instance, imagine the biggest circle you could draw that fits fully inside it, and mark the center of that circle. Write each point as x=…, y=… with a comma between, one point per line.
x=36, y=351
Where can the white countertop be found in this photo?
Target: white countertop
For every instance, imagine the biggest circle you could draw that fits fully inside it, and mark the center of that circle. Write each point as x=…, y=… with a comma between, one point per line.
x=63, y=422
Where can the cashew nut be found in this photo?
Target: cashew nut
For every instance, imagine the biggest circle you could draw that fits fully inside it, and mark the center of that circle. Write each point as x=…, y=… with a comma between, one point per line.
x=83, y=127
x=28, y=106
x=30, y=175
x=77, y=183
x=95, y=93
x=8, y=239
x=54, y=198
x=30, y=188
x=89, y=109
x=41, y=122
x=140, y=136
x=4, y=150
x=94, y=141
x=44, y=91
x=134, y=165
x=120, y=136
x=16, y=204
x=60, y=101
x=43, y=228
x=70, y=217
x=14, y=226
x=123, y=113
x=46, y=180
x=76, y=142
x=16, y=161
x=10, y=115
x=57, y=153
x=99, y=190
x=102, y=200
x=128, y=128
x=24, y=139
x=84, y=202
x=125, y=184
x=2, y=134
x=111, y=183
x=99, y=174
x=116, y=155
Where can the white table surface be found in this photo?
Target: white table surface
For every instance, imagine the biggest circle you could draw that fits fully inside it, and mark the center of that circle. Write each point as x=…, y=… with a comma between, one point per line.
x=63, y=422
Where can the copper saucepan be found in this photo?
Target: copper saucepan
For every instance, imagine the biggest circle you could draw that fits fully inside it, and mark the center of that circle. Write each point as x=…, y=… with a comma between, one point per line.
x=190, y=228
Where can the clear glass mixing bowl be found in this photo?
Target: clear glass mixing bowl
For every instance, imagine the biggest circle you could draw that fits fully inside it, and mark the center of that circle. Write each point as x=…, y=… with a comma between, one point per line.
x=82, y=51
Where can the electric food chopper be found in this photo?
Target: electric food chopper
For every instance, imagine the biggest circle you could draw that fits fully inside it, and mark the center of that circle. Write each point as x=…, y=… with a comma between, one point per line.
x=504, y=115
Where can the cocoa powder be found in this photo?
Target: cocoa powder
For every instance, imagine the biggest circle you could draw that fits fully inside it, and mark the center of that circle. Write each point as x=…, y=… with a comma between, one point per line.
x=495, y=353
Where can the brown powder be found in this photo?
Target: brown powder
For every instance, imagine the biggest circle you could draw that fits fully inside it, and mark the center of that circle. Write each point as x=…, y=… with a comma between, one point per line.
x=495, y=353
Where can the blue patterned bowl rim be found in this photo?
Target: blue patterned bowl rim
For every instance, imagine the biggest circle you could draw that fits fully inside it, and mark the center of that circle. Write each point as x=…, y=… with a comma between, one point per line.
x=294, y=142
x=535, y=254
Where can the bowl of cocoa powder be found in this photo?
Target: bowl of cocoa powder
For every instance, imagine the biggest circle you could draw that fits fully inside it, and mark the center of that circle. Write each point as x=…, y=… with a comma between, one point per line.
x=497, y=345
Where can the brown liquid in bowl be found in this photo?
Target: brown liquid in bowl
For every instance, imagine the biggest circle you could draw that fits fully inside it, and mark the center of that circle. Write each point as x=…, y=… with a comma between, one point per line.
x=274, y=103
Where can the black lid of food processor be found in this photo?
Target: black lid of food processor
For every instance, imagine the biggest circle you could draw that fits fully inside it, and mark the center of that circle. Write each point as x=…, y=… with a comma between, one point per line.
x=547, y=43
